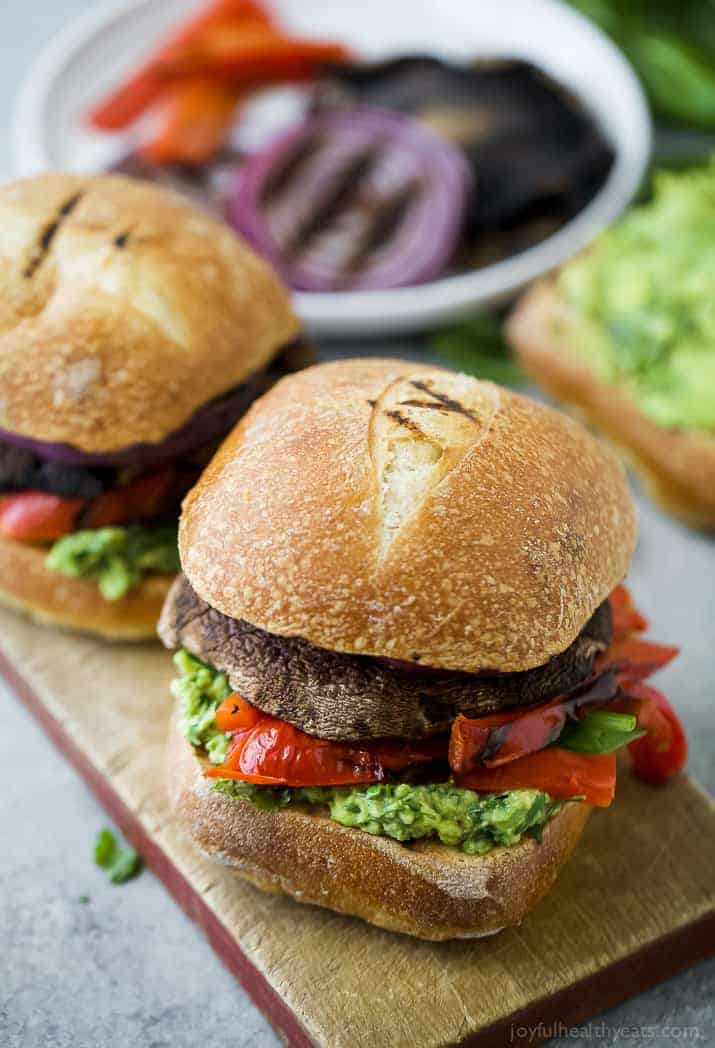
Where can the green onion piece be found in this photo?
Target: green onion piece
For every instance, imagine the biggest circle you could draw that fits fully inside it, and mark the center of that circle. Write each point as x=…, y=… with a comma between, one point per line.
x=600, y=732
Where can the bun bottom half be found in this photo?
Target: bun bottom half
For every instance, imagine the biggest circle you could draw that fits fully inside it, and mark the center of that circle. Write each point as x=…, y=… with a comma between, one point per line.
x=27, y=585
x=423, y=889
x=677, y=468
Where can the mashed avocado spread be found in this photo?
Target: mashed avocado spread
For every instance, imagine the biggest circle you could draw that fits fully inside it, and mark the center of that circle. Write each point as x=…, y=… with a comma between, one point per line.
x=475, y=822
x=644, y=300
x=118, y=557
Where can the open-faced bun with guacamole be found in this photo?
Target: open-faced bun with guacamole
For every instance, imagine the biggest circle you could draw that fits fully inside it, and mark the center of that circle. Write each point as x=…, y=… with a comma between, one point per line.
x=625, y=335
x=405, y=657
x=134, y=331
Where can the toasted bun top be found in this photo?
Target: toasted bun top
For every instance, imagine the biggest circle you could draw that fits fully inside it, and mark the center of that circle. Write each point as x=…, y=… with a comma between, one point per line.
x=123, y=308
x=381, y=507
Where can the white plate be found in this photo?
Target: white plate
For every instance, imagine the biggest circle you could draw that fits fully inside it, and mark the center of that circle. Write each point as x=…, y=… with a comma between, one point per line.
x=106, y=43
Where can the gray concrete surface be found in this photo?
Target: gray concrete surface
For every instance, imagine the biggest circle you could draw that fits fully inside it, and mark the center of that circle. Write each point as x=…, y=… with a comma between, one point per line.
x=127, y=969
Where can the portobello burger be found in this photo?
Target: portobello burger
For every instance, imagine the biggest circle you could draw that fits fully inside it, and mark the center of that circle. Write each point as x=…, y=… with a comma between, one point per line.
x=134, y=331
x=406, y=660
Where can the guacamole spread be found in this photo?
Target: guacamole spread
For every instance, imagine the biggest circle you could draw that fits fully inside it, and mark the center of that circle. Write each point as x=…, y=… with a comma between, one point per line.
x=474, y=822
x=117, y=557
x=200, y=690
x=644, y=302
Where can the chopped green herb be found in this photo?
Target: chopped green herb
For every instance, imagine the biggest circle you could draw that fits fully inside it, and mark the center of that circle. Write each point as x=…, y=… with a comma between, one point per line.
x=105, y=848
x=84, y=899
x=120, y=863
x=126, y=865
x=118, y=557
x=477, y=347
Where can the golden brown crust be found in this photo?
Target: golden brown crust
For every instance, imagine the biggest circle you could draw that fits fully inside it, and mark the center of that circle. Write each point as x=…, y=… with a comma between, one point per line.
x=27, y=585
x=122, y=316
x=678, y=468
x=386, y=508
x=424, y=889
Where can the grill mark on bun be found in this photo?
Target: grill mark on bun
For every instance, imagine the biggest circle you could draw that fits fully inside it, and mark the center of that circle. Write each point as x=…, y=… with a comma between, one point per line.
x=48, y=234
x=447, y=402
x=408, y=423
x=416, y=442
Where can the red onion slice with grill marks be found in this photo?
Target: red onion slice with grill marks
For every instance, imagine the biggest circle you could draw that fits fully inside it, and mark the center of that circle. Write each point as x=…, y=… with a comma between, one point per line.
x=352, y=201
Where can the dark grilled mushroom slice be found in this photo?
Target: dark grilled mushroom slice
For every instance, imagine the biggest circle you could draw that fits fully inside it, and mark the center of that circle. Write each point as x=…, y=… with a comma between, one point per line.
x=338, y=696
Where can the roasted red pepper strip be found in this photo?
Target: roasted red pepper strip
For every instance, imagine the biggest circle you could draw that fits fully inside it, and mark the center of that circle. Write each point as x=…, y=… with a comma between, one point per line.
x=135, y=95
x=560, y=773
x=235, y=714
x=662, y=753
x=196, y=115
x=35, y=516
x=143, y=498
x=245, y=56
x=396, y=754
x=275, y=753
x=634, y=659
x=498, y=738
x=626, y=617
x=268, y=750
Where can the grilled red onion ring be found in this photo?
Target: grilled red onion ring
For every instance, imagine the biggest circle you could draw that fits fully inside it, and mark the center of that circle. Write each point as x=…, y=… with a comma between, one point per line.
x=358, y=200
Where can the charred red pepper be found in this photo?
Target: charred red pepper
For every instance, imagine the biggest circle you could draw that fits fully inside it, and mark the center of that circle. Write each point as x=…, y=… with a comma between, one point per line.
x=560, y=773
x=633, y=659
x=266, y=750
x=626, y=617
x=145, y=497
x=662, y=752
x=35, y=516
x=502, y=737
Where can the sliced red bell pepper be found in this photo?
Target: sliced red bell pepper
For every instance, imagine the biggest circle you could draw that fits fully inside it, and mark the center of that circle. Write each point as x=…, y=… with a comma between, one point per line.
x=268, y=750
x=502, y=737
x=243, y=55
x=626, y=617
x=195, y=116
x=143, y=498
x=134, y=96
x=397, y=754
x=560, y=773
x=35, y=516
x=275, y=753
x=662, y=753
x=633, y=659
x=235, y=714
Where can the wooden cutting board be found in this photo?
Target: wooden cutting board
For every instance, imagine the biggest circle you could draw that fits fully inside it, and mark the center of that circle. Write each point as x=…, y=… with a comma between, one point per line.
x=635, y=904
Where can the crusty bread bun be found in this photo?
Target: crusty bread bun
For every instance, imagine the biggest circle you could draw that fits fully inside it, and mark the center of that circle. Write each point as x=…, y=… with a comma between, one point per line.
x=386, y=508
x=123, y=309
x=424, y=889
x=27, y=585
x=678, y=468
